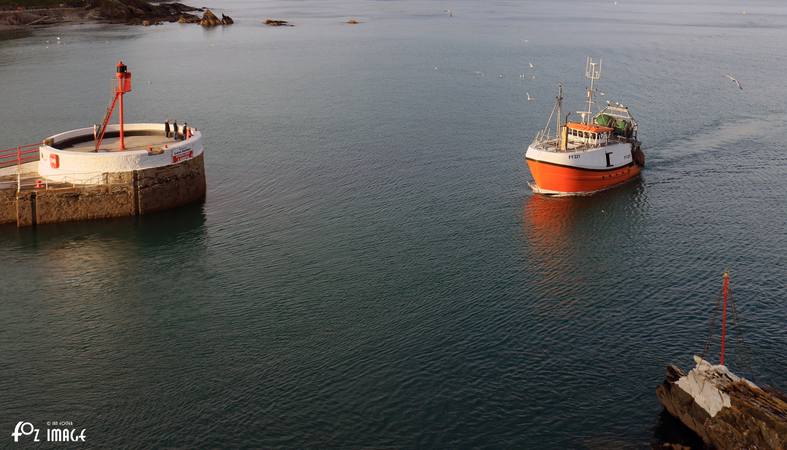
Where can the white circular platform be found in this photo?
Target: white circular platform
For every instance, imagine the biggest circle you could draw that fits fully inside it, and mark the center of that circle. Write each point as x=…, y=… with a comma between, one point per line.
x=71, y=157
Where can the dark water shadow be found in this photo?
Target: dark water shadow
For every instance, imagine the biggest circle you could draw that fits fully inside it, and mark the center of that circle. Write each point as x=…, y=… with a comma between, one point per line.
x=669, y=430
x=162, y=228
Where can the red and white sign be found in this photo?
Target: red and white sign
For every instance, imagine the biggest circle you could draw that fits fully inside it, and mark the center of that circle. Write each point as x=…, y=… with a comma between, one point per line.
x=54, y=161
x=182, y=154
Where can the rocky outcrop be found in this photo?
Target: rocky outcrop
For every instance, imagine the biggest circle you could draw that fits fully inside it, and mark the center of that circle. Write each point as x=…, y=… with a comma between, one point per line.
x=188, y=18
x=727, y=412
x=277, y=23
x=132, y=12
x=38, y=18
x=135, y=12
x=209, y=19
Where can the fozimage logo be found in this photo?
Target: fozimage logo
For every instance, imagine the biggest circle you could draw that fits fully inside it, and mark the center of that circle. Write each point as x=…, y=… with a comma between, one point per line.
x=56, y=431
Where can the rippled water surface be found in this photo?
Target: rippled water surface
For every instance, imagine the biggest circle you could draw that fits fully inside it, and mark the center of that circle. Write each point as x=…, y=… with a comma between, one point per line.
x=370, y=268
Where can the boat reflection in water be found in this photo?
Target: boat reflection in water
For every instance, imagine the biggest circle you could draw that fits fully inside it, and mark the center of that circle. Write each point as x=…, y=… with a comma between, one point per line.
x=570, y=240
x=549, y=225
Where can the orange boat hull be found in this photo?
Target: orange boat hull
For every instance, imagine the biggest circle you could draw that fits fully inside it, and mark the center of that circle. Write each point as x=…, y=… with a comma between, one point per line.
x=573, y=180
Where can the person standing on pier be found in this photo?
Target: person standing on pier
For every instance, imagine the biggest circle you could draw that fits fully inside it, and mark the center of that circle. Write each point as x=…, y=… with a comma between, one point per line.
x=185, y=130
x=95, y=132
x=175, y=129
x=166, y=128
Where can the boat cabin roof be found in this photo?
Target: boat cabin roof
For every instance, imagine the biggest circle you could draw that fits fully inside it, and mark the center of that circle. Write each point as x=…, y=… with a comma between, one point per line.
x=588, y=127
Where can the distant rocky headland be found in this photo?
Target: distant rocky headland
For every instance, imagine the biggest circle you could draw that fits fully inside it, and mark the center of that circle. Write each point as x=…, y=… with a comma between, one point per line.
x=24, y=13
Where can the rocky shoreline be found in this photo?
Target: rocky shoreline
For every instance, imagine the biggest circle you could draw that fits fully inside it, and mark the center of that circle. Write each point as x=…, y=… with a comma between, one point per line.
x=128, y=12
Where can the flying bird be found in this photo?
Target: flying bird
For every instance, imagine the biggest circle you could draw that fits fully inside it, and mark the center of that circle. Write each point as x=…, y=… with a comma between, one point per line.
x=531, y=65
x=450, y=12
x=529, y=98
x=736, y=81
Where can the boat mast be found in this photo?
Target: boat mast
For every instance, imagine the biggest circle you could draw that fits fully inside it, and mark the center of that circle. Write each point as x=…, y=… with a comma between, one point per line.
x=559, y=103
x=544, y=134
x=724, y=316
x=593, y=73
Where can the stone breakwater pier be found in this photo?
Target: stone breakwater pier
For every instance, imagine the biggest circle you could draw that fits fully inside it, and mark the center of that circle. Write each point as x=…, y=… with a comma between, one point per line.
x=103, y=171
x=70, y=177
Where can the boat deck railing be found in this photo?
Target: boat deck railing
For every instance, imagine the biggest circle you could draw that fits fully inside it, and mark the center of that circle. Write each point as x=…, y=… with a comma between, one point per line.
x=553, y=144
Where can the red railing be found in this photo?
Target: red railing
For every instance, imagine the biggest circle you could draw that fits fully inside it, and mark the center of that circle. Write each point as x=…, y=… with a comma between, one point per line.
x=18, y=155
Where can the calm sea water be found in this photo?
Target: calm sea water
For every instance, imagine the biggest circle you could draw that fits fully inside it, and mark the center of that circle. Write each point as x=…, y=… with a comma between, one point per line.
x=370, y=268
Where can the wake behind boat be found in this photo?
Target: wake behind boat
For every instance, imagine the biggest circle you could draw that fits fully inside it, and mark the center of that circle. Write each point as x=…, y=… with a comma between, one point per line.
x=598, y=152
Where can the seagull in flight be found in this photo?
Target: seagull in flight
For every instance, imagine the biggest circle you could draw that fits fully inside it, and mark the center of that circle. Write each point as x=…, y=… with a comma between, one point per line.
x=736, y=81
x=449, y=12
x=531, y=64
x=529, y=98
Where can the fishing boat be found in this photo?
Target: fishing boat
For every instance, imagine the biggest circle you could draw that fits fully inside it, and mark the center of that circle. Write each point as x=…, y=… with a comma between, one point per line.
x=598, y=152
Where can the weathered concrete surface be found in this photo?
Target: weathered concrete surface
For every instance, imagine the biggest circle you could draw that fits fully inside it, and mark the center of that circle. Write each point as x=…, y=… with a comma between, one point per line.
x=84, y=203
x=25, y=209
x=165, y=187
x=125, y=194
x=7, y=206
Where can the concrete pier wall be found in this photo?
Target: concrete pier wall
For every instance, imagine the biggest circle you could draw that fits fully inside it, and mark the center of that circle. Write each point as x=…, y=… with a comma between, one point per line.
x=123, y=194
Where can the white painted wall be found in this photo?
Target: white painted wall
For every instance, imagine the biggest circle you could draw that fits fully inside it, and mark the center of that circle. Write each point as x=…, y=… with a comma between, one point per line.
x=88, y=168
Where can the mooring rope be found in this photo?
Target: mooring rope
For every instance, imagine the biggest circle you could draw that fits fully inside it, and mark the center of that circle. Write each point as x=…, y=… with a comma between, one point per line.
x=712, y=324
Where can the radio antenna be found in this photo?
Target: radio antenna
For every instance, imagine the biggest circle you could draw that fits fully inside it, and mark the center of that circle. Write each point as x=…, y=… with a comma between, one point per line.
x=592, y=73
